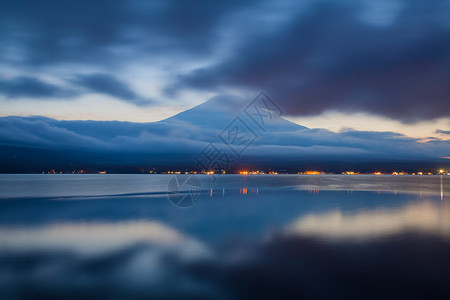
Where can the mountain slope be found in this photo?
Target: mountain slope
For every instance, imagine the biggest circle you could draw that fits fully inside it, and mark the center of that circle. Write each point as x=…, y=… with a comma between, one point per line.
x=219, y=111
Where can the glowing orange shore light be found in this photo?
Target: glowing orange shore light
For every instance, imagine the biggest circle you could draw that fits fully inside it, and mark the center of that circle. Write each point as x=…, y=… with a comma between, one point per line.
x=313, y=173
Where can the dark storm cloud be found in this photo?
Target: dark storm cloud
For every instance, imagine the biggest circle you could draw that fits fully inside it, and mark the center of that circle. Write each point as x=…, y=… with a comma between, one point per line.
x=390, y=58
x=24, y=86
x=105, y=35
x=86, y=32
x=331, y=59
x=109, y=85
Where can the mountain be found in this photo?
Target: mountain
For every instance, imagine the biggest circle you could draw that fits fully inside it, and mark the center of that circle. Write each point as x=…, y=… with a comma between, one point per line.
x=249, y=133
x=219, y=111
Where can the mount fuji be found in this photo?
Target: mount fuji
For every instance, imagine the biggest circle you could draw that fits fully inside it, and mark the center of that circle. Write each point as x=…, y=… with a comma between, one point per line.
x=31, y=144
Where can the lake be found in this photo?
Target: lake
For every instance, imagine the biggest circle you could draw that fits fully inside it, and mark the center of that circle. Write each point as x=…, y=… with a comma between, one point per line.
x=224, y=236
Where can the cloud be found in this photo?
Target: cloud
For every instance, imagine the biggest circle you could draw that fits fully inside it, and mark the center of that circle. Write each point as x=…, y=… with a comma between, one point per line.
x=388, y=58
x=109, y=85
x=35, y=143
x=42, y=133
x=104, y=36
x=443, y=131
x=33, y=88
x=24, y=86
x=82, y=32
x=330, y=59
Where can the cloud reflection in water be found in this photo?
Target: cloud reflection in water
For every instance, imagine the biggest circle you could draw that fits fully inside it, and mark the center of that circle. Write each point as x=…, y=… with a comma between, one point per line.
x=275, y=243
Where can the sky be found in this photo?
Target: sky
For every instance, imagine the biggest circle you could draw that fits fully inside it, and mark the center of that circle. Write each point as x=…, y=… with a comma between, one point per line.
x=372, y=65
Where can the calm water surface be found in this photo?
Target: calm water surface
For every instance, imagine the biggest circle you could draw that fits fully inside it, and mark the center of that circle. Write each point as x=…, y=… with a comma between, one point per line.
x=256, y=236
